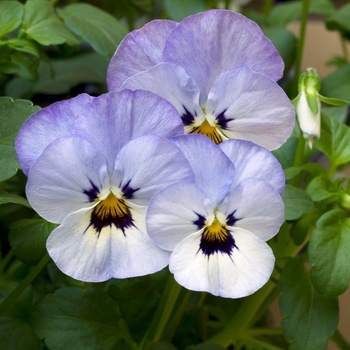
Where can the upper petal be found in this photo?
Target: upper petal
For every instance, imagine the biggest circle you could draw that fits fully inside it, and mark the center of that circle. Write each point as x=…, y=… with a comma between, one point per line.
x=140, y=50
x=212, y=169
x=45, y=126
x=253, y=107
x=208, y=43
x=172, y=83
x=70, y=174
x=253, y=161
x=84, y=254
x=234, y=275
x=148, y=164
x=113, y=119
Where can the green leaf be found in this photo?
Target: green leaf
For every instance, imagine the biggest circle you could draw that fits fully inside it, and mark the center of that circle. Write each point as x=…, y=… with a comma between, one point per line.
x=340, y=20
x=296, y=203
x=88, y=319
x=321, y=188
x=337, y=84
x=96, y=27
x=312, y=168
x=285, y=43
x=28, y=239
x=329, y=253
x=309, y=318
x=16, y=334
x=334, y=140
x=60, y=76
x=285, y=154
x=332, y=101
x=12, y=115
x=179, y=9
x=13, y=198
x=24, y=45
x=11, y=13
x=282, y=14
x=42, y=24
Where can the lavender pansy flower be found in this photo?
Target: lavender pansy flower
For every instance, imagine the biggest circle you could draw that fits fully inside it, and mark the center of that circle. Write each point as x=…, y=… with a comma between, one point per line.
x=216, y=226
x=219, y=71
x=97, y=177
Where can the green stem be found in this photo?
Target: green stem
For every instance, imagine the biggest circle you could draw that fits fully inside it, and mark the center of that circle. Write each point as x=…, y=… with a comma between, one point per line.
x=301, y=42
x=163, y=312
x=299, y=158
x=331, y=170
x=12, y=297
x=340, y=340
x=6, y=260
x=267, y=7
x=344, y=47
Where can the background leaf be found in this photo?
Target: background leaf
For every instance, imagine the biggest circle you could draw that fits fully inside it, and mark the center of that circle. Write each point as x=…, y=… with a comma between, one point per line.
x=96, y=27
x=309, y=318
x=12, y=115
x=11, y=13
x=76, y=319
x=13, y=198
x=337, y=84
x=179, y=9
x=329, y=252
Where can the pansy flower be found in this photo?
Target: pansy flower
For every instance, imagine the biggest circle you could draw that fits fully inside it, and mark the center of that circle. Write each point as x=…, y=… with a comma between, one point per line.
x=216, y=226
x=217, y=68
x=94, y=172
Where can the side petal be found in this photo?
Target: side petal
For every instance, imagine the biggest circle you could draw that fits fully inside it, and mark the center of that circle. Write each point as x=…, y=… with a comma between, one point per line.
x=253, y=161
x=45, y=126
x=173, y=213
x=148, y=164
x=139, y=50
x=255, y=206
x=208, y=43
x=69, y=175
x=237, y=275
x=213, y=170
x=82, y=253
x=172, y=83
x=253, y=107
x=113, y=119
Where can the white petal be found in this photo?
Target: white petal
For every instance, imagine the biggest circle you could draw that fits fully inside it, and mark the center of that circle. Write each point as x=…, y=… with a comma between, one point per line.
x=69, y=175
x=173, y=212
x=253, y=161
x=80, y=252
x=237, y=275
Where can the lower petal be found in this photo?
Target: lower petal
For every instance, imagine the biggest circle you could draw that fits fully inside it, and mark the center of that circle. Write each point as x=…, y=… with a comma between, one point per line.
x=87, y=255
x=234, y=275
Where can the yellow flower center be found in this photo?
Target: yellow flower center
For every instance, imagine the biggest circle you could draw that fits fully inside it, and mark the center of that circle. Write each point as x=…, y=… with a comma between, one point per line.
x=208, y=130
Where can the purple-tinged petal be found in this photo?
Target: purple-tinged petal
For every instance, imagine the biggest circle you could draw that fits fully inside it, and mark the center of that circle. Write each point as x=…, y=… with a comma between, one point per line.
x=234, y=275
x=253, y=161
x=250, y=106
x=70, y=174
x=212, y=169
x=45, y=126
x=174, y=213
x=172, y=83
x=113, y=119
x=148, y=164
x=208, y=43
x=140, y=50
x=87, y=255
x=255, y=206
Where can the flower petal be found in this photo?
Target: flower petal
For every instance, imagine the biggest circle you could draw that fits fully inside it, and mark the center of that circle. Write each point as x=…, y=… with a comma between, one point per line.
x=255, y=107
x=208, y=43
x=252, y=161
x=114, y=119
x=141, y=49
x=82, y=253
x=172, y=83
x=213, y=170
x=256, y=207
x=234, y=275
x=69, y=175
x=148, y=164
x=173, y=212
x=45, y=126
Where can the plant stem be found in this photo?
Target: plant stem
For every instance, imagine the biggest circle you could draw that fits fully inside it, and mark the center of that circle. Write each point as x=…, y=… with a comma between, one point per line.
x=340, y=340
x=267, y=7
x=6, y=260
x=12, y=297
x=301, y=42
x=163, y=312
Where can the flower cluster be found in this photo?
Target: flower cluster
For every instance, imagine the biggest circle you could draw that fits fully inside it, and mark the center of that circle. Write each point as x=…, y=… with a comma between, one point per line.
x=133, y=186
